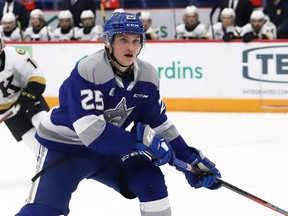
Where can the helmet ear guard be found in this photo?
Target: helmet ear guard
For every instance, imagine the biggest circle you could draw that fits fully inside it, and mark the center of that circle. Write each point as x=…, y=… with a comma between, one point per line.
x=107, y=44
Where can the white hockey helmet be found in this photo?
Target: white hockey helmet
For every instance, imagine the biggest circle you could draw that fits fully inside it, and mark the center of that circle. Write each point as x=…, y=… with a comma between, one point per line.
x=191, y=10
x=8, y=18
x=144, y=15
x=87, y=14
x=257, y=15
x=37, y=13
x=228, y=12
x=120, y=10
x=65, y=14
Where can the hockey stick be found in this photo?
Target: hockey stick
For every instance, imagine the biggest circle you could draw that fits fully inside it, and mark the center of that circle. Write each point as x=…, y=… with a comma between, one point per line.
x=211, y=19
x=185, y=166
x=174, y=19
x=52, y=19
x=103, y=12
x=8, y=114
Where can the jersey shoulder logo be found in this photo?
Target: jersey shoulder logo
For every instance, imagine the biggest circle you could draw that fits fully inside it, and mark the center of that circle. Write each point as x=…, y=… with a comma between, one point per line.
x=20, y=51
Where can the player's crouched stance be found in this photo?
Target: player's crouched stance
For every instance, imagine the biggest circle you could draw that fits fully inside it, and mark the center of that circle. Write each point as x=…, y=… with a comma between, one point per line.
x=85, y=136
x=21, y=86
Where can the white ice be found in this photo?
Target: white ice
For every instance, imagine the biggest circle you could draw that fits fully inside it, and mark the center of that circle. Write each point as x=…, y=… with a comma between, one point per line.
x=250, y=150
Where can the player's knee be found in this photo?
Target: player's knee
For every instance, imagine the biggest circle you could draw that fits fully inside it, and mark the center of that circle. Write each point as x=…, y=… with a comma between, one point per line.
x=144, y=179
x=37, y=209
x=133, y=162
x=148, y=184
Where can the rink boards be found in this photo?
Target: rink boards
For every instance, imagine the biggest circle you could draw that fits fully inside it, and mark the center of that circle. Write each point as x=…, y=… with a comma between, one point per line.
x=194, y=76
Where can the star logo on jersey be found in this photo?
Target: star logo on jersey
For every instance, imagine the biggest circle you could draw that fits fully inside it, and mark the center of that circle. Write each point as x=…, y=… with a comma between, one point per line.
x=119, y=114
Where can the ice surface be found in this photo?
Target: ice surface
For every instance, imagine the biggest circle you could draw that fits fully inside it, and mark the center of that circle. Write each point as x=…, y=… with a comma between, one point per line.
x=249, y=149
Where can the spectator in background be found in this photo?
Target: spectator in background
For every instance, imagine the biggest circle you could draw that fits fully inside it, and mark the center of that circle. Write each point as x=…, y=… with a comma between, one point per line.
x=242, y=8
x=258, y=28
x=77, y=7
x=192, y=28
x=89, y=30
x=8, y=28
x=151, y=32
x=66, y=29
x=277, y=11
x=19, y=10
x=38, y=31
x=226, y=29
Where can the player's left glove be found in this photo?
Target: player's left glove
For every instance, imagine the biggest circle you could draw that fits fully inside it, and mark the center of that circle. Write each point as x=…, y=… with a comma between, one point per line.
x=159, y=149
x=210, y=172
x=26, y=101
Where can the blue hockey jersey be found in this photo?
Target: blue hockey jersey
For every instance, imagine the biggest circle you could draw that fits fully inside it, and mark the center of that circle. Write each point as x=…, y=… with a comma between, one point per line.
x=96, y=106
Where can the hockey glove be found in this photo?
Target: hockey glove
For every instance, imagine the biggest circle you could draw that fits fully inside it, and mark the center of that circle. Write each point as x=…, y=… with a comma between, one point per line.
x=159, y=149
x=26, y=101
x=264, y=36
x=248, y=37
x=208, y=177
x=227, y=37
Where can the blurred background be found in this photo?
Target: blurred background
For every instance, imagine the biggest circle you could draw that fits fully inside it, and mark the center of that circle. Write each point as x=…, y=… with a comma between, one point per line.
x=55, y=4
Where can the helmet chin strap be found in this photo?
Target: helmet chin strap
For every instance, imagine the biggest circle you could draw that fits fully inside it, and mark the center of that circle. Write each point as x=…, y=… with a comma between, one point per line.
x=114, y=59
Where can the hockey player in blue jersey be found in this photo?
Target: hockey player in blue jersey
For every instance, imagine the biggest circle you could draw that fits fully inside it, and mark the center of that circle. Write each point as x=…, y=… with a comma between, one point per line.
x=85, y=136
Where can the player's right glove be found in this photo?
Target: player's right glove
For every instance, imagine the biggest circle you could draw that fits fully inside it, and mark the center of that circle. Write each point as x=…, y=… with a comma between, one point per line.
x=249, y=37
x=227, y=37
x=208, y=177
x=229, y=34
x=159, y=149
x=26, y=101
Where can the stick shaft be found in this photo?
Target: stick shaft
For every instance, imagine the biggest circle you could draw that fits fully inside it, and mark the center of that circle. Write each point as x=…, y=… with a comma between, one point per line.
x=6, y=116
x=211, y=20
x=103, y=12
x=183, y=165
x=253, y=197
